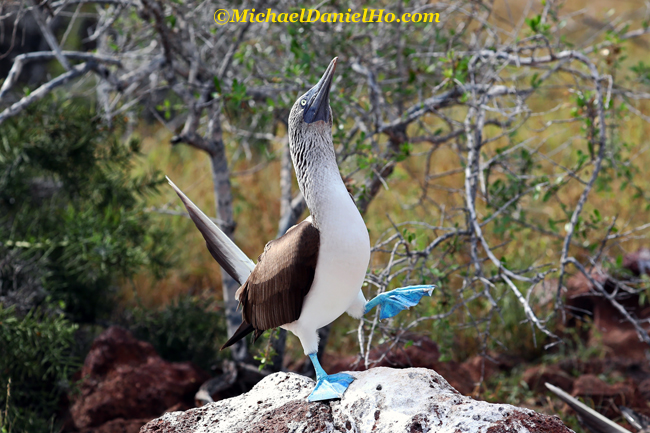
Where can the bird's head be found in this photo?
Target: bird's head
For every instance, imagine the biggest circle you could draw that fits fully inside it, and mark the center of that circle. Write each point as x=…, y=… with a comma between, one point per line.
x=311, y=113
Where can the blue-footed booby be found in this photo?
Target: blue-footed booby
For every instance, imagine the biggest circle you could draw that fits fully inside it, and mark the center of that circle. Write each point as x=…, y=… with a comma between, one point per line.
x=311, y=275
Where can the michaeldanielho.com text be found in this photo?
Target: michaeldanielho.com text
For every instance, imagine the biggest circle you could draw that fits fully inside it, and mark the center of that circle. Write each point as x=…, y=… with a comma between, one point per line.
x=223, y=16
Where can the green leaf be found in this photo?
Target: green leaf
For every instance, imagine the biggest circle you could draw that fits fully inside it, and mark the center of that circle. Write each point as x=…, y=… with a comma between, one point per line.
x=171, y=20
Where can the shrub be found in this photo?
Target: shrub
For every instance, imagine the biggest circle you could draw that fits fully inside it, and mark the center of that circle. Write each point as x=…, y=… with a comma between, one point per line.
x=72, y=225
x=21, y=279
x=184, y=330
x=67, y=196
x=37, y=357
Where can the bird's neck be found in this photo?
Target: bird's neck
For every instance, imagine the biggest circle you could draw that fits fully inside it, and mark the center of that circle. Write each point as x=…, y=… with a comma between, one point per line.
x=320, y=181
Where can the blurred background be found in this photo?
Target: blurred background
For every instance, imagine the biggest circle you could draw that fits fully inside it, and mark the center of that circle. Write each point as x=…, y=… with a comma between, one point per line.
x=500, y=153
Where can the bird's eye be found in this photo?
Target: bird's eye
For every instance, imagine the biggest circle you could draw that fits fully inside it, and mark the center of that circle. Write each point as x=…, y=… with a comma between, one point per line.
x=303, y=102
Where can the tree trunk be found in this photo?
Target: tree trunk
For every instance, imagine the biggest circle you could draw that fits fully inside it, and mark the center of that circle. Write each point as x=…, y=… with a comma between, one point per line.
x=223, y=198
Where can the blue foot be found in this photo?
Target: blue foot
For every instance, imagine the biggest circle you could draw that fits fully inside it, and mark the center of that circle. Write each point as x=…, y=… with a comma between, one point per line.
x=328, y=386
x=391, y=303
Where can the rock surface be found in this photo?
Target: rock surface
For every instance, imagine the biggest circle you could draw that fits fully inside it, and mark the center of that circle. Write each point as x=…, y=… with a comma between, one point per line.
x=610, y=329
x=535, y=377
x=608, y=397
x=125, y=384
x=583, y=378
x=381, y=400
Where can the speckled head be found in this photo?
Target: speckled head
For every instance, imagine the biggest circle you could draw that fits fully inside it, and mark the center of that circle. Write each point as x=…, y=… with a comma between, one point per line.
x=312, y=109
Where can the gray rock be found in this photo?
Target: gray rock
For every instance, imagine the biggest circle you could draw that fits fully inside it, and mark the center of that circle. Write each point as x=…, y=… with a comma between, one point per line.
x=382, y=400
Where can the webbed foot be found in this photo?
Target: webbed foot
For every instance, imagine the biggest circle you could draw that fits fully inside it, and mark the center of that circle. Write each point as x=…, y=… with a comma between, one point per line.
x=328, y=386
x=331, y=387
x=391, y=303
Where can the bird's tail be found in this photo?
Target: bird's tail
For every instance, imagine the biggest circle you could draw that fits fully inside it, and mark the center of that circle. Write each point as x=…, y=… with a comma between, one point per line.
x=241, y=332
x=225, y=252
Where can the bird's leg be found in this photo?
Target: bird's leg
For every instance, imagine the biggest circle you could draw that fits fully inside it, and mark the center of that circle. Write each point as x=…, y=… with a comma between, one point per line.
x=328, y=386
x=391, y=303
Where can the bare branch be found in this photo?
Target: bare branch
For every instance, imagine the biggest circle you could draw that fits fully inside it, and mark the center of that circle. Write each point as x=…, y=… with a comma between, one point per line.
x=22, y=59
x=46, y=88
x=49, y=37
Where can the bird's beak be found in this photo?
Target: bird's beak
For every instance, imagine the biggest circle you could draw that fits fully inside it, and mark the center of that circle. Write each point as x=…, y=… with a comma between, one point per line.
x=319, y=101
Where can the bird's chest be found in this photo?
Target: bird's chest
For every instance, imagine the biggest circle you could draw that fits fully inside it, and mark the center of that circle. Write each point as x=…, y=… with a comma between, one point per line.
x=345, y=248
x=343, y=257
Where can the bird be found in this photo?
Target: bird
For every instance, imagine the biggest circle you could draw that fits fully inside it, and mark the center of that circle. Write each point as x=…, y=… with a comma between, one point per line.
x=314, y=273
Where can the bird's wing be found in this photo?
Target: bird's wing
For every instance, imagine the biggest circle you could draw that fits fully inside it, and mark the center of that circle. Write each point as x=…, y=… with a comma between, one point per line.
x=596, y=422
x=225, y=252
x=274, y=292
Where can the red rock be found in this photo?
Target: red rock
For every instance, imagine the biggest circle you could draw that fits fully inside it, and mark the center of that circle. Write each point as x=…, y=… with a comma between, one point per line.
x=126, y=382
x=622, y=342
x=607, y=397
x=120, y=425
x=610, y=328
x=644, y=389
x=536, y=422
x=536, y=376
x=579, y=284
x=615, y=333
x=481, y=368
x=598, y=366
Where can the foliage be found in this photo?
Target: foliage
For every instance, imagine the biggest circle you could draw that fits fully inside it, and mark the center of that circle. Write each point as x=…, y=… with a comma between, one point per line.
x=38, y=359
x=72, y=225
x=21, y=277
x=184, y=330
x=266, y=355
x=68, y=197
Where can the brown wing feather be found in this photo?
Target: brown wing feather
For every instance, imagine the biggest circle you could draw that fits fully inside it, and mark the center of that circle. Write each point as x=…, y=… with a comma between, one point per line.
x=273, y=293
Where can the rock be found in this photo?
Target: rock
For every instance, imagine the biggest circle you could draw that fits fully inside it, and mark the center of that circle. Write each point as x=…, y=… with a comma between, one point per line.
x=631, y=380
x=644, y=389
x=605, y=396
x=381, y=400
x=622, y=340
x=121, y=425
x=536, y=376
x=481, y=368
x=638, y=370
x=125, y=382
x=610, y=329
